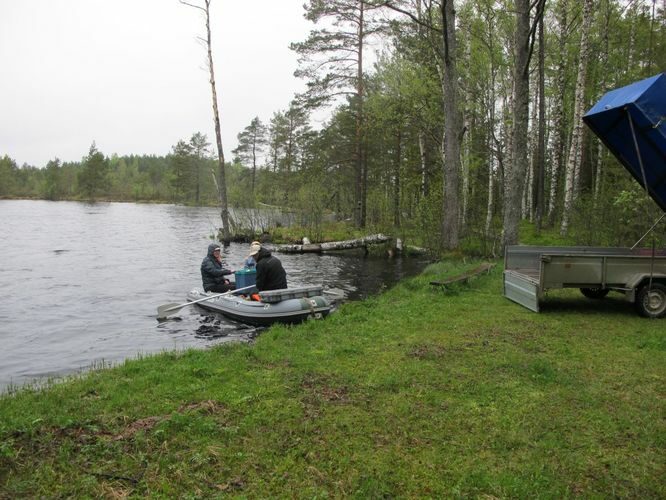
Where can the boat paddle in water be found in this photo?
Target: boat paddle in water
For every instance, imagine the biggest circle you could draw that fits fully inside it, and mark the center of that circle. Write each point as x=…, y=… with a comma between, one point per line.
x=166, y=310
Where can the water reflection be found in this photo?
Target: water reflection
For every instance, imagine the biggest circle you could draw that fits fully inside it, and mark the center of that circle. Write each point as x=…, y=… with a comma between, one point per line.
x=82, y=283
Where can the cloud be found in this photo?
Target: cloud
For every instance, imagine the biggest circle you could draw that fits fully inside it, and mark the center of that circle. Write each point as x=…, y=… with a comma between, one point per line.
x=132, y=76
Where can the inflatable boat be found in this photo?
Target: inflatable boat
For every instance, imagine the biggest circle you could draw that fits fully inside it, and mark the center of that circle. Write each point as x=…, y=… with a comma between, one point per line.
x=290, y=305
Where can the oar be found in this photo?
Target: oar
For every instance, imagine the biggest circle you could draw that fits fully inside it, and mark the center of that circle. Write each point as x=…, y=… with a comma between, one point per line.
x=168, y=309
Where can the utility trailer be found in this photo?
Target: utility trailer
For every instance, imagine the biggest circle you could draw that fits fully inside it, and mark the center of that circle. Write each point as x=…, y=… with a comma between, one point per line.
x=631, y=121
x=530, y=271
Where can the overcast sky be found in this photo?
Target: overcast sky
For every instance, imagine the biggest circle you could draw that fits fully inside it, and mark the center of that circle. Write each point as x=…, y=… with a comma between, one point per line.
x=131, y=76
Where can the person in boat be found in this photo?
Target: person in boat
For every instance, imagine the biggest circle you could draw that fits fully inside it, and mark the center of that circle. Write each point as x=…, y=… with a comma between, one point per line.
x=270, y=273
x=250, y=262
x=213, y=271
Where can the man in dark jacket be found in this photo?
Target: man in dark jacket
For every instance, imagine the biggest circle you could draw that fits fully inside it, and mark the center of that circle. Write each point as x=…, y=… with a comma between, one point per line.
x=270, y=273
x=213, y=272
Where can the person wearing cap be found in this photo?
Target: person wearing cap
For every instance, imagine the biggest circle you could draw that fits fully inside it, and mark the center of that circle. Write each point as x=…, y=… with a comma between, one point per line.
x=213, y=272
x=270, y=273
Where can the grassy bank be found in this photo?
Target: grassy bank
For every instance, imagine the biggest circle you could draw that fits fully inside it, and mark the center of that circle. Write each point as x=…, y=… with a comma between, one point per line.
x=417, y=392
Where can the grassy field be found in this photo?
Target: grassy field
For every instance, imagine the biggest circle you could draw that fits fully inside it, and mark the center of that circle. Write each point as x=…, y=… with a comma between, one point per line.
x=419, y=392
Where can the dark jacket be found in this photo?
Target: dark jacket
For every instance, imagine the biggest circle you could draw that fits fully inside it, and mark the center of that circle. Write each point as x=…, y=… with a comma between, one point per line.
x=212, y=272
x=270, y=273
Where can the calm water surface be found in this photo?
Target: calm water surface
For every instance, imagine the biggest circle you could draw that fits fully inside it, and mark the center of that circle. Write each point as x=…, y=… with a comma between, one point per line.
x=80, y=283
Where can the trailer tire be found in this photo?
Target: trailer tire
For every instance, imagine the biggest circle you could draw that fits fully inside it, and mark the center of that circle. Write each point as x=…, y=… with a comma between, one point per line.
x=651, y=301
x=594, y=293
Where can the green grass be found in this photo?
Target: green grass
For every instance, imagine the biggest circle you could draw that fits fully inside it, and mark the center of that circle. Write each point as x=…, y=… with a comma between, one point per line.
x=417, y=392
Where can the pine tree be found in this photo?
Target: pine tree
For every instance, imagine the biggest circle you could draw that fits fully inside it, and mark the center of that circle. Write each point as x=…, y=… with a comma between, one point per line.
x=251, y=143
x=93, y=178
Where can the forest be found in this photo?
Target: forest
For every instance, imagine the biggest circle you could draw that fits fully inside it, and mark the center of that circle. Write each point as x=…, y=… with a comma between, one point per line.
x=451, y=124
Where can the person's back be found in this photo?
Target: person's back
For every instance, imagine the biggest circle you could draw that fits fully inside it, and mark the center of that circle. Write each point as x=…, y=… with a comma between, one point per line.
x=270, y=273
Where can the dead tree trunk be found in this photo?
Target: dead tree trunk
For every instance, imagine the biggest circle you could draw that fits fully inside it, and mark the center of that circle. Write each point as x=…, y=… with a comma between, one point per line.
x=221, y=182
x=334, y=245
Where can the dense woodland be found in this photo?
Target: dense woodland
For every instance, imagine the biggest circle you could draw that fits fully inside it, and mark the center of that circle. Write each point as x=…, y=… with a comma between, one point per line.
x=466, y=123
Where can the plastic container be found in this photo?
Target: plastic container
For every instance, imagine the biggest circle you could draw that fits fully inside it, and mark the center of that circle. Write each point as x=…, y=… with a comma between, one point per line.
x=245, y=277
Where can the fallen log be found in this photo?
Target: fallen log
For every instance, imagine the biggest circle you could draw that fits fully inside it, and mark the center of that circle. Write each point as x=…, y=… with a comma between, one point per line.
x=334, y=245
x=463, y=278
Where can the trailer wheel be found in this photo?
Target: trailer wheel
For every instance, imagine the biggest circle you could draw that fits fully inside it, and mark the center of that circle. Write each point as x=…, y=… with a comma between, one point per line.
x=594, y=293
x=651, y=301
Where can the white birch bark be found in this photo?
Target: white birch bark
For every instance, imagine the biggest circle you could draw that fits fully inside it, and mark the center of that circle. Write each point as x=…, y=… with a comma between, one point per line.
x=558, y=107
x=575, y=148
x=603, y=60
x=424, y=170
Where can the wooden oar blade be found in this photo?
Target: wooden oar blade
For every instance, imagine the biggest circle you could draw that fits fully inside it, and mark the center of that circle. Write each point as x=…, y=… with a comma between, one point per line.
x=167, y=309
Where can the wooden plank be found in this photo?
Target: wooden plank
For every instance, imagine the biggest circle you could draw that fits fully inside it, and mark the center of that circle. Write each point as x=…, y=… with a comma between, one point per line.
x=461, y=278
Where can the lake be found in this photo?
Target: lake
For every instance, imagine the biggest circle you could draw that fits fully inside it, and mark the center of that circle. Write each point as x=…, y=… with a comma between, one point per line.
x=81, y=283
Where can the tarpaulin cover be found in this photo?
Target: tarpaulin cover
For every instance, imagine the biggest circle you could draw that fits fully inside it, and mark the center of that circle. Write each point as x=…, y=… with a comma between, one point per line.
x=642, y=104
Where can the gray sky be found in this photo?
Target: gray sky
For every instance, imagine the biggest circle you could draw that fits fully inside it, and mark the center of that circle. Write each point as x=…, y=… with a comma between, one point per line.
x=131, y=76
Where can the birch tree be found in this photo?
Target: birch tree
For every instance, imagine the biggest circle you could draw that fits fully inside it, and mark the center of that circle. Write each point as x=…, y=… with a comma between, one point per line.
x=558, y=135
x=541, y=133
x=575, y=147
x=516, y=169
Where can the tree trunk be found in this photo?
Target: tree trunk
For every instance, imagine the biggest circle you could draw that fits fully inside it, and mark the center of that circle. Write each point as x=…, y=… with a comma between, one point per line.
x=467, y=155
x=516, y=169
x=558, y=110
x=541, y=141
x=603, y=60
x=334, y=245
x=360, y=188
x=424, y=169
x=221, y=181
x=396, y=181
x=490, y=207
x=575, y=148
x=530, y=180
x=254, y=161
x=493, y=127
x=452, y=135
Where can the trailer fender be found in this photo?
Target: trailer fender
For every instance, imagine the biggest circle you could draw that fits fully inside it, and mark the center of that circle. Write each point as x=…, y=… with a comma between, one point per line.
x=637, y=280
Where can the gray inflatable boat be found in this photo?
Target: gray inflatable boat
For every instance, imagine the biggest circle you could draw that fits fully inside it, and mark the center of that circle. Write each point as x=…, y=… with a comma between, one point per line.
x=290, y=305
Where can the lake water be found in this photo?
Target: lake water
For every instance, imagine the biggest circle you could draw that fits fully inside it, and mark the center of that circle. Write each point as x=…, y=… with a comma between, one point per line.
x=80, y=283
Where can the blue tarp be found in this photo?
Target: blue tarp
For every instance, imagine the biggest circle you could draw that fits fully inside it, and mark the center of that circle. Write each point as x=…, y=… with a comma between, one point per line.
x=642, y=104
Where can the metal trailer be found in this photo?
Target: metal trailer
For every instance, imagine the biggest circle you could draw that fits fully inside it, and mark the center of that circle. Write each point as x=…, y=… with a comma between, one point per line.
x=529, y=271
x=631, y=121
